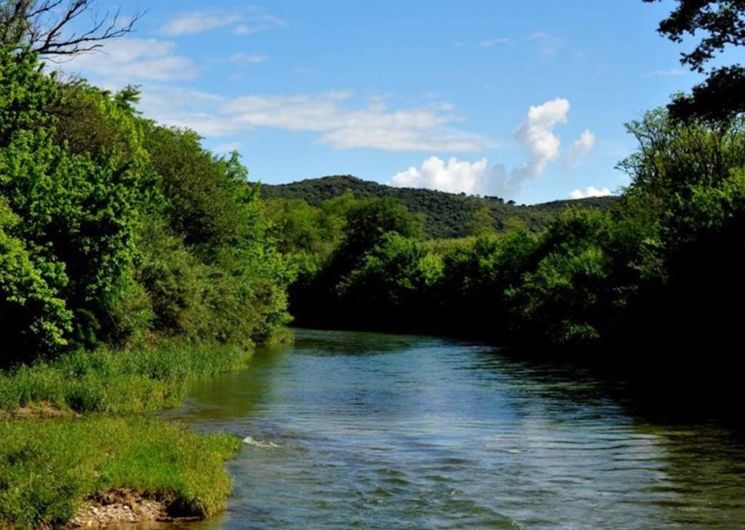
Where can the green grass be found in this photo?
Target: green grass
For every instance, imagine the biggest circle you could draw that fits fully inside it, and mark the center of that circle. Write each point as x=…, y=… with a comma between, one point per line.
x=48, y=467
x=119, y=381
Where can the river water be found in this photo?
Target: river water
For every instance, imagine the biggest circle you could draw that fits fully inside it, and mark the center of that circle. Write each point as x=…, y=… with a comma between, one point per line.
x=365, y=430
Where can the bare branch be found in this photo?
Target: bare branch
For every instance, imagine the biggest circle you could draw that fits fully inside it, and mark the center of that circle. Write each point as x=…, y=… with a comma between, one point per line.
x=46, y=26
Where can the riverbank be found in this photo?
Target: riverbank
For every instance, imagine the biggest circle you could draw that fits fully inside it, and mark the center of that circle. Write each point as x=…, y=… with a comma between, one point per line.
x=72, y=433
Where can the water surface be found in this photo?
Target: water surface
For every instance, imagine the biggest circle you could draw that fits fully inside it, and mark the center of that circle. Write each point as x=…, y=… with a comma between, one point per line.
x=363, y=430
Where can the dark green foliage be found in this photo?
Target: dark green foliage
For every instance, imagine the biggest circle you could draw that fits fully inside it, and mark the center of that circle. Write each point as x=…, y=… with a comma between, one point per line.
x=32, y=317
x=581, y=277
x=76, y=216
x=696, y=191
x=77, y=219
x=721, y=24
x=393, y=285
x=208, y=202
x=368, y=222
x=445, y=214
x=209, y=259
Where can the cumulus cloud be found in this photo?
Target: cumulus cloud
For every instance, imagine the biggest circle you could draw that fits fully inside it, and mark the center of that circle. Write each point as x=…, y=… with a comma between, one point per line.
x=130, y=59
x=536, y=135
x=454, y=176
x=590, y=191
x=580, y=147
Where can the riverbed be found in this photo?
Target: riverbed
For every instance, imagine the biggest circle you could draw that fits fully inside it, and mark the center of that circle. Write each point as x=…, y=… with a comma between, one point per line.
x=366, y=430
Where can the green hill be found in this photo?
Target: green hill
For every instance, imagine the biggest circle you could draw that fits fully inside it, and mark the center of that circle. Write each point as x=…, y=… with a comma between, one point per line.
x=446, y=214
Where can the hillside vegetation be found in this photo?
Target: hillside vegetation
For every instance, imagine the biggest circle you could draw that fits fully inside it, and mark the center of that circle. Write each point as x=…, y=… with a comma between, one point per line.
x=445, y=214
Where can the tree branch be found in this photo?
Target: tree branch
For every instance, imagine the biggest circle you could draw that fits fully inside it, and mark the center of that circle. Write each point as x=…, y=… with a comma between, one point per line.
x=44, y=26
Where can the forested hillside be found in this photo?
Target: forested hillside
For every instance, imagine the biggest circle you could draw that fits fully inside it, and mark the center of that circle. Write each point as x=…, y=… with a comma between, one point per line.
x=445, y=214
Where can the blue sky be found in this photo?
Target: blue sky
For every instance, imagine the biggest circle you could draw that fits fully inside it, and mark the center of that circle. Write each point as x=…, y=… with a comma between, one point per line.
x=525, y=100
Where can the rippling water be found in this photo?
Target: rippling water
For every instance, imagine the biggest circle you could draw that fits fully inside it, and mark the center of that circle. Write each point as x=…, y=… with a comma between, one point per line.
x=362, y=430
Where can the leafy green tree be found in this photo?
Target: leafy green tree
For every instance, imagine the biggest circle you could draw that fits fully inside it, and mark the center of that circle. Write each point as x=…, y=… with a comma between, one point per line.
x=77, y=218
x=32, y=316
x=722, y=24
x=26, y=94
x=393, y=285
x=209, y=202
x=367, y=223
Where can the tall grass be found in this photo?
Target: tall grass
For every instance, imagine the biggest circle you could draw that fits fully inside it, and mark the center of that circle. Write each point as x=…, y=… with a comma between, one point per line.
x=119, y=381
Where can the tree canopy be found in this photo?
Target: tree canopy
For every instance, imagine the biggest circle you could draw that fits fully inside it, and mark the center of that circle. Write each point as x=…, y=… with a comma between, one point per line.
x=721, y=24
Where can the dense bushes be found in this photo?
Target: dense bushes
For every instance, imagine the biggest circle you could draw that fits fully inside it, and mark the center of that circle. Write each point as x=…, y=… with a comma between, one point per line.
x=113, y=228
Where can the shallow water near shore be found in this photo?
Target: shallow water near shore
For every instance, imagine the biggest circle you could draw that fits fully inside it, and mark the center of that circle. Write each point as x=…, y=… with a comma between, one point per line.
x=366, y=430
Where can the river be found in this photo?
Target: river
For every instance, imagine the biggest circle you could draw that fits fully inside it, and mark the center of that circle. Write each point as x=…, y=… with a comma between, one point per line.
x=365, y=430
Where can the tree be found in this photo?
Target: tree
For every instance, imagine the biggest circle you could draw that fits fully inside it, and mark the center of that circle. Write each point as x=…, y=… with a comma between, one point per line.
x=483, y=222
x=720, y=96
x=44, y=26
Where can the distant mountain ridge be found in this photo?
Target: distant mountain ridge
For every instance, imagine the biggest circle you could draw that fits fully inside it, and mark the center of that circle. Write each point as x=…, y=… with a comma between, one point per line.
x=447, y=214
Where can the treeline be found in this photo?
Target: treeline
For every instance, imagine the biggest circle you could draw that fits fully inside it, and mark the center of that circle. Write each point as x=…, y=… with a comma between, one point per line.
x=661, y=271
x=445, y=215
x=651, y=285
x=114, y=229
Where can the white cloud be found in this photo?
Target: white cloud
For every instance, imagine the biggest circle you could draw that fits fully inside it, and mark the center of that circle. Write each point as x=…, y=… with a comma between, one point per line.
x=536, y=135
x=333, y=117
x=248, y=58
x=196, y=22
x=199, y=22
x=454, y=176
x=345, y=126
x=580, y=147
x=178, y=107
x=590, y=191
x=131, y=59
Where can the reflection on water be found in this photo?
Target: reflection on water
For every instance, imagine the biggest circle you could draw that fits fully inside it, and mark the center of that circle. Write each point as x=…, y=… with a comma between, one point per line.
x=362, y=430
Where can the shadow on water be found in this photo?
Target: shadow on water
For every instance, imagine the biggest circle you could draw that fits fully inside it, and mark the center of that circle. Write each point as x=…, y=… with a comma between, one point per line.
x=322, y=342
x=234, y=394
x=653, y=396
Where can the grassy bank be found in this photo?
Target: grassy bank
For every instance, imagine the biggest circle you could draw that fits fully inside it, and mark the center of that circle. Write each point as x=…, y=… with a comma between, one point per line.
x=72, y=427
x=48, y=467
